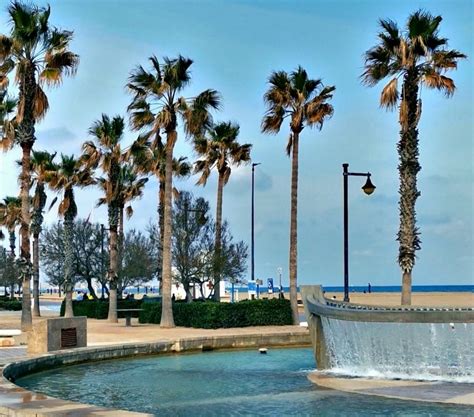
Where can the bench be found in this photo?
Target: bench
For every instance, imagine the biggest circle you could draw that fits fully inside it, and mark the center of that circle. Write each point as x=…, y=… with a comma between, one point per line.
x=7, y=337
x=128, y=314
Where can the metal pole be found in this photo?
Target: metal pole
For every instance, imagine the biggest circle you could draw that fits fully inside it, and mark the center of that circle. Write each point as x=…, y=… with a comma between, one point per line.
x=346, y=233
x=252, y=272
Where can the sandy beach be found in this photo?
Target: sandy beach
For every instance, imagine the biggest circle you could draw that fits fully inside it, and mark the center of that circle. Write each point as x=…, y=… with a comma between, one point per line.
x=434, y=299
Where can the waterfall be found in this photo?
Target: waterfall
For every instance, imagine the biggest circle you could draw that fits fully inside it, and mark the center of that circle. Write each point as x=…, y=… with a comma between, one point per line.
x=420, y=351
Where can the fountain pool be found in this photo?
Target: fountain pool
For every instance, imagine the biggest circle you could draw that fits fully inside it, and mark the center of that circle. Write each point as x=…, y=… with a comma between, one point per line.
x=225, y=383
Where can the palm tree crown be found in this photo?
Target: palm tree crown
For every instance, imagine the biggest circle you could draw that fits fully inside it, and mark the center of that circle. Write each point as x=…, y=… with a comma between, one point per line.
x=418, y=50
x=220, y=150
x=35, y=49
x=10, y=213
x=298, y=97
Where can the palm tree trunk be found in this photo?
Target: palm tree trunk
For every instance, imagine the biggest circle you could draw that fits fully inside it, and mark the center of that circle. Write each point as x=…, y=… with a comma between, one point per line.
x=294, y=231
x=11, y=263
x=113, y=266
x=218, y=241
x=167, y=319
x=25, y=254
x=25, y=135
x=36, y=307
x=408, y=235
x=68, y=262
x=120, y=249
x=161, y=224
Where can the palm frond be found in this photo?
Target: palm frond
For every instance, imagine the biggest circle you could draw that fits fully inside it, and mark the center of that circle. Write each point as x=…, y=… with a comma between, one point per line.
x=389, y=96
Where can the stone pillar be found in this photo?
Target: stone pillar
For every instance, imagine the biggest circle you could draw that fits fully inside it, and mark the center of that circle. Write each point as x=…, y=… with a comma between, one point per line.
x=57, y=333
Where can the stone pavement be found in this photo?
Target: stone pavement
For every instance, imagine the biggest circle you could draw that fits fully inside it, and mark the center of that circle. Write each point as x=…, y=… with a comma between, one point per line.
x=12, y=354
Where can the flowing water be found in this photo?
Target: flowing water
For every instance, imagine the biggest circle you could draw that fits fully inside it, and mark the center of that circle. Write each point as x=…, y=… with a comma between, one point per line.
x=420, y=351
x=230, y=383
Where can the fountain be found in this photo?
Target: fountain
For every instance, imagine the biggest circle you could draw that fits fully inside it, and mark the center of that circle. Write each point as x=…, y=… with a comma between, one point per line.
x=418, y=343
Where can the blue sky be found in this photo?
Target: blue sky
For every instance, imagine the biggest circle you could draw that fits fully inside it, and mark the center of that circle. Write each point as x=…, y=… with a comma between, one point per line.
x=235, y=45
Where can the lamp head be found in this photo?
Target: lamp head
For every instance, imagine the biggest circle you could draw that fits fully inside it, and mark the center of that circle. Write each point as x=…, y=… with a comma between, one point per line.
x=368, y=187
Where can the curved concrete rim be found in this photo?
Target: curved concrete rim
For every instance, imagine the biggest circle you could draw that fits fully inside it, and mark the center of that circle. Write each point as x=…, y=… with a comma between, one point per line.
x=425, y=391
x=19, y=402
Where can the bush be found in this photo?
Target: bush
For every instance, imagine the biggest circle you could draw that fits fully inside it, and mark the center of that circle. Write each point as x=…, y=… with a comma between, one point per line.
x=10, y=305
x=212, y=315
x=99, y=309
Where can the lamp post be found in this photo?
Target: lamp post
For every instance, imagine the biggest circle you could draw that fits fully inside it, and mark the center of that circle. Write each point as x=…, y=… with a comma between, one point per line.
x=252, y=274
x=280, y=290
x=203, y=220
x=368, y=189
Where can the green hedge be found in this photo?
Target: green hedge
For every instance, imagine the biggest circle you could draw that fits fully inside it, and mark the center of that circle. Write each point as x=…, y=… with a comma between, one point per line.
x=100, y=309
x=212, y=315
x=10, y=305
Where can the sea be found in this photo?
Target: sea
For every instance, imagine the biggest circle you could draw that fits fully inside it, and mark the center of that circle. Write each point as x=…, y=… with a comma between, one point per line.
x=378, y=288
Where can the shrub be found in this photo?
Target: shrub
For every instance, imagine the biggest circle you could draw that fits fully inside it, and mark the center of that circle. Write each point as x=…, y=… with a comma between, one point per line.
x=10, y=305
x=99, y=309
x=212, y=315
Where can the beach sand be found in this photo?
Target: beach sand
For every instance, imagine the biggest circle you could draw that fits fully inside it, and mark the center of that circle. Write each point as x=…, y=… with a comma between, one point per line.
x=433, y=299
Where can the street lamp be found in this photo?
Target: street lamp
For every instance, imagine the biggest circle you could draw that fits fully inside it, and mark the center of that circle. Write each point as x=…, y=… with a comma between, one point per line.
x=253, y=222
x=202, y=220
x=280, y=292
x=368, y=189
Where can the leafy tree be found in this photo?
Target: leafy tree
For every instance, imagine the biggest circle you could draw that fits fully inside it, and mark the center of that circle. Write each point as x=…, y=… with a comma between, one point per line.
x=220, y=150
x=191, y=232
x=305, y=102
x=419, y=56
x=87, y=253
x=41, y=164
x=138, y=260
x=39, y=54
x=155, y=107
x=66, y=176
x=194, y=251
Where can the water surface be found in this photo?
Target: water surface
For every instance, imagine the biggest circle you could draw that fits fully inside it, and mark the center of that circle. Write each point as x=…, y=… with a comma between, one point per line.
x=230, y=383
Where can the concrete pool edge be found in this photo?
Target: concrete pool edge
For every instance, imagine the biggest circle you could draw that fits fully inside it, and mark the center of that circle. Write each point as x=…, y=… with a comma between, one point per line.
x=19, y=402
x=424, y=391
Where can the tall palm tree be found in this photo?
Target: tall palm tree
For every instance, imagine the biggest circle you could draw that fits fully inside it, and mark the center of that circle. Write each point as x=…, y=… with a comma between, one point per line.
x=10, y=218
x=67, y=175
x=305, y=102
x=39, y=53
x=419, y=56
x=41, y=164
x=105, y=151
x=155, y=107
x=219, y=150
x=130, y=188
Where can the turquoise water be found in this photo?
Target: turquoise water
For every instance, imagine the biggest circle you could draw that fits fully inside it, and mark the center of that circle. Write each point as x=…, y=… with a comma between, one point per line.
x=242, y=383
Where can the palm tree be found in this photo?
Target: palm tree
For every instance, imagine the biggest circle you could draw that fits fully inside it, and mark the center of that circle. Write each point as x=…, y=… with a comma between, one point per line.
x=41, y=164
x=155, y=107
x=39, y=54
x=130, y=188
x=219, y=150
x=67, y=175
x=420, y=56
x=10, y=218
x=305, y=102
x=105, y=151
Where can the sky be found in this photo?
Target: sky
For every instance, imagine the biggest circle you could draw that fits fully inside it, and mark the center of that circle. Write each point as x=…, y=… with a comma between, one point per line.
x=235, y=46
